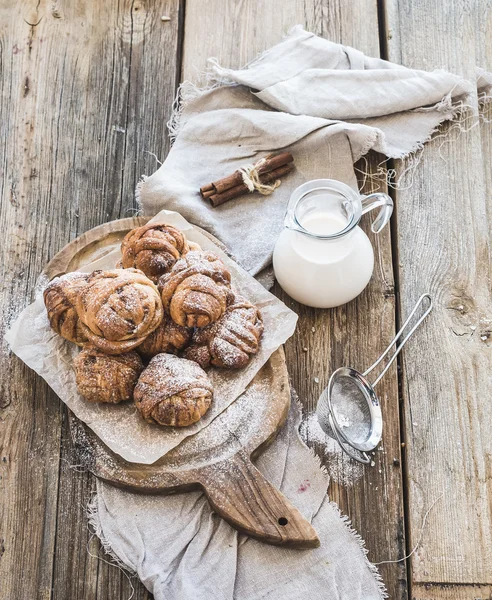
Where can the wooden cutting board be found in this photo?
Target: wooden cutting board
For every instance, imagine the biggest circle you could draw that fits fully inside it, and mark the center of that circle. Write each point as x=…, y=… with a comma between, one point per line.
x=217, y=459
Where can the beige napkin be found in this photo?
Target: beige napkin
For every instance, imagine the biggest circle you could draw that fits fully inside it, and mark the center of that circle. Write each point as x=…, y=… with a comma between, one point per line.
x=181, y=550
x=327, y=104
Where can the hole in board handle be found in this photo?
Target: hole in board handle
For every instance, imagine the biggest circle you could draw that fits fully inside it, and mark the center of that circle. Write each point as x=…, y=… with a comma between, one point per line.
x=283, y=521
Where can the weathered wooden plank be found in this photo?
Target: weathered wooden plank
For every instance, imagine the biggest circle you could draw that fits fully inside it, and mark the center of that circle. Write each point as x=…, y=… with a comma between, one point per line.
x=235, y=32
x=436, y=591
x=86, y=93
x=354, y=334
x=30, y=413
x=444, y=247
x=135, y=82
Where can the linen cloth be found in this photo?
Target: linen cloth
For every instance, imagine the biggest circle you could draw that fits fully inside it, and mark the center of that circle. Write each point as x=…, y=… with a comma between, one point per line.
x=329, y=105
x=181, y=550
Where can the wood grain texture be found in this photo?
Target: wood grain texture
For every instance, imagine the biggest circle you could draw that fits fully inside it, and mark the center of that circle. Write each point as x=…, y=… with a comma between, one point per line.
x=436, y=591
x=352, y=335
x=255, y=507
x=236, y=32
x=86, y=91
x=444, y=230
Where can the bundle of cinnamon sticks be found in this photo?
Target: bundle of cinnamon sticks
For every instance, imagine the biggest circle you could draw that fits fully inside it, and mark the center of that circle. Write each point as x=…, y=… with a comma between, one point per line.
x=232, y=186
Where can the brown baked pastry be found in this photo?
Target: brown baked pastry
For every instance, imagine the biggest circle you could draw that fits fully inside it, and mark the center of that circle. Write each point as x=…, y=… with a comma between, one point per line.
x=104, y=378
x=173, y=391
x=197, y=290
x=194, y=247
x=59, y=299
x=168, y=337
x=231, y=341
x=118, y=309
x=153, y=248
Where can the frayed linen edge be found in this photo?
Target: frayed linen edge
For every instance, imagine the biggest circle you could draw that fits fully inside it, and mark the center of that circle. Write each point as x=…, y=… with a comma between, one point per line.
x=376, y=139
x=457, y=113
x=92, y=512
x=448, y=112
x=362, y=546
x=188, y=92
x=485, y=98
x=215, y=77
x=138, y=192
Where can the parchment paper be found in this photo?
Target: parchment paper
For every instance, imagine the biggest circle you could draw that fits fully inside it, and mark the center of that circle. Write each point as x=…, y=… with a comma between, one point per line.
x=120, y=427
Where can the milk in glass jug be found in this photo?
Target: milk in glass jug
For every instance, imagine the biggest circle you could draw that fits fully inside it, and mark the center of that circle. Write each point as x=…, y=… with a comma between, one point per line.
x=322, y=258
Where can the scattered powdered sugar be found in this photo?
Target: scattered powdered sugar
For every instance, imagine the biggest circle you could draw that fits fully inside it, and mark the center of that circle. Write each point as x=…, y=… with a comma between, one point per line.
x=245, y=423
x=119, y=426
x=14, y=307
x=341, y=468
x=226, y=351
x=242, y=427
x=41, y=284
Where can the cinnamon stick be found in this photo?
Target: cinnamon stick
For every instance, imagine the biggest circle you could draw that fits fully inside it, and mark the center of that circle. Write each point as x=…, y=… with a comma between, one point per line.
x=207, y=189
x=273, y=161
x=239, y=190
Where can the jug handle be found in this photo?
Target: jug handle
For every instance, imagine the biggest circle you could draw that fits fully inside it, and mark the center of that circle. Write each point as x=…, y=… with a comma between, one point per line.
x=374, y=201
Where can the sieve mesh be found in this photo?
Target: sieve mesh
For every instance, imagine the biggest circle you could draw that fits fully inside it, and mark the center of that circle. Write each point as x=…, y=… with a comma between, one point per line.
x=348, y=410
x=351, y=409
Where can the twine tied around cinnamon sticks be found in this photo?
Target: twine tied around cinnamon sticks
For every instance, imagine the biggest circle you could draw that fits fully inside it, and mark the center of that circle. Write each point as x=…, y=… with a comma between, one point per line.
x=262, y=176
x=251, y=179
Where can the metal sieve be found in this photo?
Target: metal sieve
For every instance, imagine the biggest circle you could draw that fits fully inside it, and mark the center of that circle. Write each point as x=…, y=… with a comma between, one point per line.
x=349, y=410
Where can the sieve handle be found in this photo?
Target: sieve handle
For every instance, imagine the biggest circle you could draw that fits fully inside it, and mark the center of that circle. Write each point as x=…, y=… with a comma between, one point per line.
x=398, y=335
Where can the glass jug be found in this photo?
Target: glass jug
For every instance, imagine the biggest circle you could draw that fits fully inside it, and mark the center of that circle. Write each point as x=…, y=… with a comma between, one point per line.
x=322, y=258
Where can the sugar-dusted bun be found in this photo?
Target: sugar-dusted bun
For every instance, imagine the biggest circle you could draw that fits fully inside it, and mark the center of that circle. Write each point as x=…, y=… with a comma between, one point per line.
x=118, y=309
x=197, y=290
x=104, y=378
x=173, y=391
x=60, y=300
x=153, y=248
x=231, y=341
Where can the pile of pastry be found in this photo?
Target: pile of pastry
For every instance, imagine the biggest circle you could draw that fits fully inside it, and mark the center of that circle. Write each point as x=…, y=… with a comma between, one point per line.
x=150, y=327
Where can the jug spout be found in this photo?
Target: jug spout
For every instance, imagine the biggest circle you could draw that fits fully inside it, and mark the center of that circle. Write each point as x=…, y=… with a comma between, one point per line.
x=378, y=200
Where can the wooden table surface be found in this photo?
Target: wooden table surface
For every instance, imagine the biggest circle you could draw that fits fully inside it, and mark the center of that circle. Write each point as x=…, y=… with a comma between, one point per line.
x=87, y=89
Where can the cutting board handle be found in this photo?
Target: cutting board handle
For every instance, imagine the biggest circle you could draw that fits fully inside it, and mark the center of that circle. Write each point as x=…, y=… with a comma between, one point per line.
x=241, y=495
